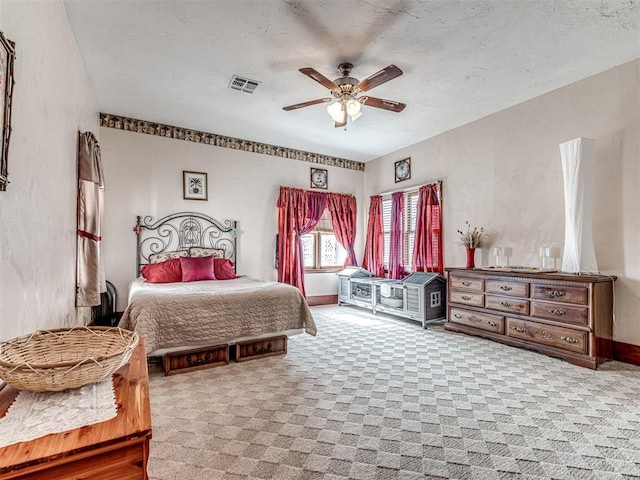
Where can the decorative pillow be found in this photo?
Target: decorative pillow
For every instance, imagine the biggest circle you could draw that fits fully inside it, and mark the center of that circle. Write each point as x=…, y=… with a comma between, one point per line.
x=168, y=271
x=206, y=252
x=223, y=269
x=161, y=257
x=197, y=268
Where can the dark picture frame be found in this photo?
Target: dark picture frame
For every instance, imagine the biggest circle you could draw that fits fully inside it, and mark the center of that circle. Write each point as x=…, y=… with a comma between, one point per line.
x=319, y=178
x=194, y=186
x=402, y=170
x=7, y=57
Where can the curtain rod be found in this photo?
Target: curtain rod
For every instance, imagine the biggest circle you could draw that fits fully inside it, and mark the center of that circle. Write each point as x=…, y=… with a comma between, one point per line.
x=319, y=190
x=415, y=187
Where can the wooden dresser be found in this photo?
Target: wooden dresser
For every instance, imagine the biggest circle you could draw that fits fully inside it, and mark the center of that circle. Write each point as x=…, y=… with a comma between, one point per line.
x=561, y=315
x=117, y=448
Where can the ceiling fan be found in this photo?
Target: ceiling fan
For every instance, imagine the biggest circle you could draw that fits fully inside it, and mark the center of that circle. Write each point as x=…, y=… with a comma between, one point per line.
x=346, y=91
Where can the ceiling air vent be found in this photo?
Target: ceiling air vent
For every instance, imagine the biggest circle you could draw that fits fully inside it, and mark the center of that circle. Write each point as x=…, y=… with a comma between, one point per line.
x=243, y=84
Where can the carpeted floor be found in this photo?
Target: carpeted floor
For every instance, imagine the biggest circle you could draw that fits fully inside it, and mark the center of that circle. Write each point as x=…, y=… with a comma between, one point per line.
x=376, y=397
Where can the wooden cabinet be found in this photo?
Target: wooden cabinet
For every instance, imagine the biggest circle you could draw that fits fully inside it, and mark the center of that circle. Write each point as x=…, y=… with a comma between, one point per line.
x=562, y=315
x=117, y=448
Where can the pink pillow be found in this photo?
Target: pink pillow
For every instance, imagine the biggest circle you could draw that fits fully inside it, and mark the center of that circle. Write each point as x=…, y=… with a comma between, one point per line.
x=197, y=268
x=164, y=272
x=223, y=269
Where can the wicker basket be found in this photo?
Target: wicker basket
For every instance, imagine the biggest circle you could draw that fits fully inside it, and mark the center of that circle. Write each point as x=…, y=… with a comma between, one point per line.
x=54, y=360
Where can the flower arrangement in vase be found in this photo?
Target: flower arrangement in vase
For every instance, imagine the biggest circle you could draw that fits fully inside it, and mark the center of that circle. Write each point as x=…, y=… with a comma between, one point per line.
x=473, y=238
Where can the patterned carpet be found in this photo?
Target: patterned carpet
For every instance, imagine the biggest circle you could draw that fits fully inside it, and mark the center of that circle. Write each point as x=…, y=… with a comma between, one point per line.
x=376, y=397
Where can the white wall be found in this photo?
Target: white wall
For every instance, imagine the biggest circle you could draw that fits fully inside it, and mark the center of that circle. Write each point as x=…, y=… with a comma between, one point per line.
x=143, y=176
x=52, y=100
x=504, y=172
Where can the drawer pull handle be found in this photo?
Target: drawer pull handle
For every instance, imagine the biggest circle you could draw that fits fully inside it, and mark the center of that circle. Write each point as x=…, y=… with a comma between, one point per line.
x=199, y=361
x=492, y=324
x=556, y=294
x=506, y=304
x=570, y=339
x=506, y=288
x=457, y=315
x=260, y=351
x=466, y=297
x=466, y=284
x=519, y=329
x=556, y=312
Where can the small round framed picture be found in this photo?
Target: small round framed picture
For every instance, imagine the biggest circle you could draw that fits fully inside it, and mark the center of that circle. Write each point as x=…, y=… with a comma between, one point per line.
x=319, y=178
x=402, y=170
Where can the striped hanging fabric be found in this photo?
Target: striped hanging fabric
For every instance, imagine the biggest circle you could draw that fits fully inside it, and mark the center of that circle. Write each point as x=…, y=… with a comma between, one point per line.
x=90, y=270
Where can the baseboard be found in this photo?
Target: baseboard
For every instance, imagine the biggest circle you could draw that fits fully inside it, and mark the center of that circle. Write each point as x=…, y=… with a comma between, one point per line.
x=626, y=352
x=322, y=300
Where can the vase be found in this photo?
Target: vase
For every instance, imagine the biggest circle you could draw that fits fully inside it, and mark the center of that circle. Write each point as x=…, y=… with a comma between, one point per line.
x=471, y=253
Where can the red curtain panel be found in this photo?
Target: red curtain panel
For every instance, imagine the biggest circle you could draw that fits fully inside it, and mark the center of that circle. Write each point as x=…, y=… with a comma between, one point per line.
x=343, y=212
x=292, y=218
x=396, y=240
x=427, y=249
x=374, y=247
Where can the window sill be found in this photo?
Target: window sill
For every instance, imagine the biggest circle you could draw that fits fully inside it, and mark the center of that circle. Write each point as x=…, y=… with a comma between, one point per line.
x=323, y=270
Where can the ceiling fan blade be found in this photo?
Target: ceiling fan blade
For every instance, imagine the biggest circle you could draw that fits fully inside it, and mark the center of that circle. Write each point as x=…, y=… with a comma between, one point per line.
x=313, y=74
x=340, y=124
x=307, y=104
x=379, y=78
x=390, y=105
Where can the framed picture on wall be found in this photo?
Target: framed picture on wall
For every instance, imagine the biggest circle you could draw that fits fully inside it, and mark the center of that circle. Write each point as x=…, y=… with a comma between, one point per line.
x=7, y=55
x=194, y=185
x=402, y=170
x=319, y=178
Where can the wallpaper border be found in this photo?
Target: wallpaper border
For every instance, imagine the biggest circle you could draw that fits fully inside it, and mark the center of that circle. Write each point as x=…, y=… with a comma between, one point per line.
x=179, y=133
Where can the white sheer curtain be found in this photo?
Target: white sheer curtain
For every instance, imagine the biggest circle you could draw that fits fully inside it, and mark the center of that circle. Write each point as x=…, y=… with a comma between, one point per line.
x=577, y=170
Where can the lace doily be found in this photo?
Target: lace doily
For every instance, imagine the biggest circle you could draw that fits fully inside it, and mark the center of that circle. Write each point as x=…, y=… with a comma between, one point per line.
x=36, y=414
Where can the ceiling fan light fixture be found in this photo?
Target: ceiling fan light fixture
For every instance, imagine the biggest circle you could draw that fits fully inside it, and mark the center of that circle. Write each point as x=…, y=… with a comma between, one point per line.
x=336, y=111
x=354, y=109
x=345, y=90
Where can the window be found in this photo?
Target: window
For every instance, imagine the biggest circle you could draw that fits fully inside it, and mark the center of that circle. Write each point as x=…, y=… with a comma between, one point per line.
x=320, y=248
x=408, y=221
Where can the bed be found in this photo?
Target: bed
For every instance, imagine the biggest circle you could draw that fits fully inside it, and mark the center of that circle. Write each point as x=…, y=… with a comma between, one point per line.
x=187, y=316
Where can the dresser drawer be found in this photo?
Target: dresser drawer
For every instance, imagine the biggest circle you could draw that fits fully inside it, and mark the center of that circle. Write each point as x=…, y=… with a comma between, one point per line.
x=260, y=348
x=515, y=289
x=484, y=321
x=466, y=283
x=560, y=312
x=195, y=359
x=468, y=298
x=507, y=304
x=560, y=293
x=559, y=337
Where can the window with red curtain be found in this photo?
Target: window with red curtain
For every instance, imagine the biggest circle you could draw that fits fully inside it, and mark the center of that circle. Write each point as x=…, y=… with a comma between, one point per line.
x=321, y=250
x=410, y=232
x=427, y=251
x=298, y=213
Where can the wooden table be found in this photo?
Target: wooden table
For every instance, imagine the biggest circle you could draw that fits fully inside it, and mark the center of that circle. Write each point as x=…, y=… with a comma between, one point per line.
x=115, y=449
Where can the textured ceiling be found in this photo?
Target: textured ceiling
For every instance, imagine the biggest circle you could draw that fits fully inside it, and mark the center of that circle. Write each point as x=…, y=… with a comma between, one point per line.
x=171, y=61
